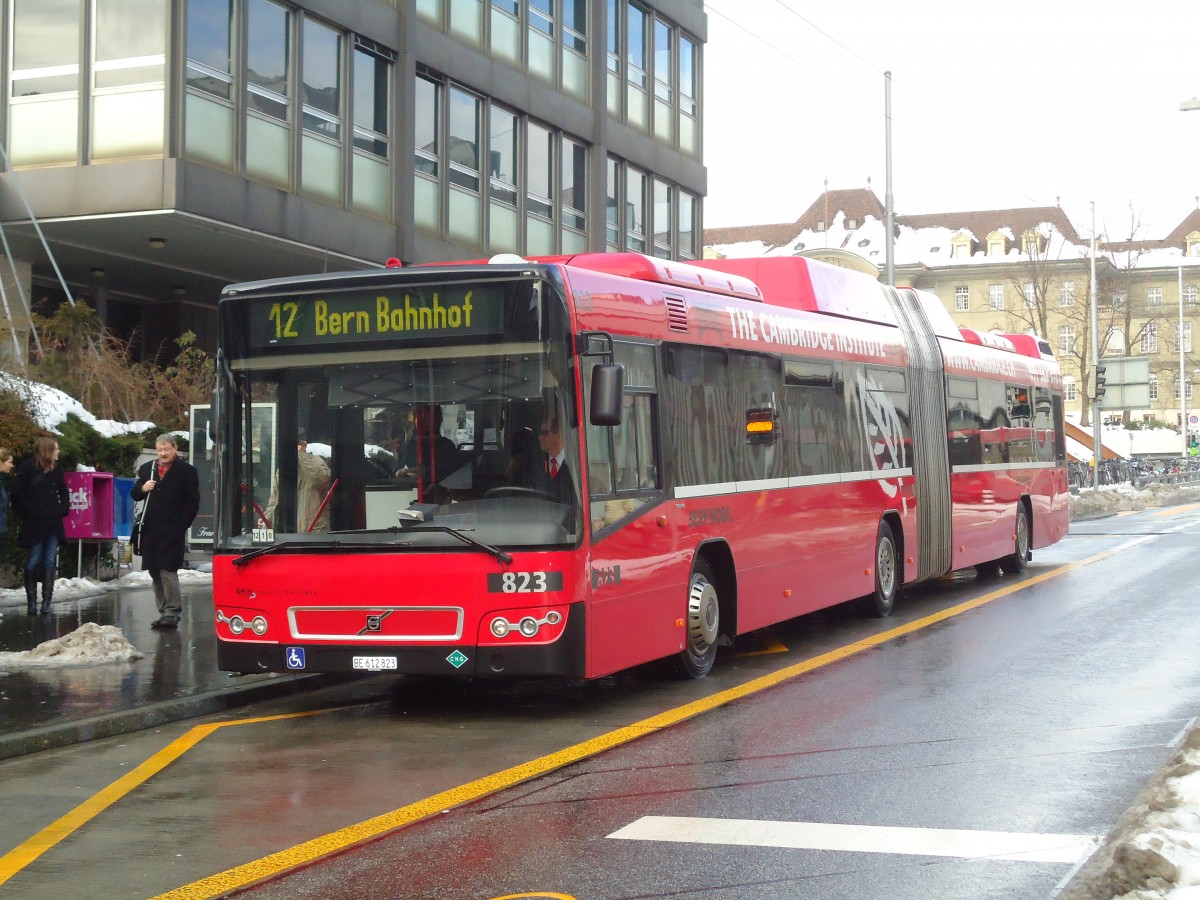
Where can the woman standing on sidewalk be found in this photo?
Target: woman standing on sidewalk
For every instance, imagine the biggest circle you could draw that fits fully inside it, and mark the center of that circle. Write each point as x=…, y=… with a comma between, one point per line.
x=6, y=464
x=40, y=496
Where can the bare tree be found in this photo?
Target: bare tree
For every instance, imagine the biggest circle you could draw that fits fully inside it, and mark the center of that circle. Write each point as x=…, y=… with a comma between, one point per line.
x=1033, y=278
x=1136, y=322
x=1053, y=290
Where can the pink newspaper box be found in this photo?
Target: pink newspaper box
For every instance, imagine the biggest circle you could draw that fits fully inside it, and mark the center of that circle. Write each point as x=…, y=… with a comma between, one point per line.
x=91, y=515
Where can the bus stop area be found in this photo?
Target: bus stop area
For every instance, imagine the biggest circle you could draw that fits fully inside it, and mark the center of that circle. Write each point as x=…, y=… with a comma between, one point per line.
x=47, y=706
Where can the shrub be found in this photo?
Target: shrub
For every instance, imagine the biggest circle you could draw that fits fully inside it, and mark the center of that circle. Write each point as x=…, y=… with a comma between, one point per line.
x=82, y=358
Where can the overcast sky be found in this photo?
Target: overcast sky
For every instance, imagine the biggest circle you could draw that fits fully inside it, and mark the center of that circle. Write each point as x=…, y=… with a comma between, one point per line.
x=1050, y=102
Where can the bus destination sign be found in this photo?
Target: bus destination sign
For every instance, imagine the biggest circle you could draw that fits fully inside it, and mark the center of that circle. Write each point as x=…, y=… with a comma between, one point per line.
x=395, y=316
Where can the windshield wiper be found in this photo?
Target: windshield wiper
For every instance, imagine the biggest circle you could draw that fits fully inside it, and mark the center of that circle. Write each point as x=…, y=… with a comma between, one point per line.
x=310, y=545
x=454, y=532
x=499, y=554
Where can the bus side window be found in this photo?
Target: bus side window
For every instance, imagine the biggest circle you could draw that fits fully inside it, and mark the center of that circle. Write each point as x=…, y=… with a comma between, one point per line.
x=622, y=459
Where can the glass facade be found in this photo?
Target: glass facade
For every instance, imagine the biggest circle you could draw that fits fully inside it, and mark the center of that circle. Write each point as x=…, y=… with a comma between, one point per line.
x=370, y=183
x=274, y=93
x=243, y=116
x=652, y=66
x=321, y=111
x=659, y=218
x=208, y=114
x=125, y=89
x=128, y=91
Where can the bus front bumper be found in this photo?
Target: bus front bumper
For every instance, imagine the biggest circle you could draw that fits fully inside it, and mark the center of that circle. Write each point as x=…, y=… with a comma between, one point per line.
x=565, y=657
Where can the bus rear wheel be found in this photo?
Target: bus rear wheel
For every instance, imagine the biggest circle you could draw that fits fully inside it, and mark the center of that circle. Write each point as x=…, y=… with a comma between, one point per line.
x=703, y=623
x=882, y=601
x=1015, y=564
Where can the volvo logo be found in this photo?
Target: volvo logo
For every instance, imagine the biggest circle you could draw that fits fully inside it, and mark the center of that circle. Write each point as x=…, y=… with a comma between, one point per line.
x=374, y=623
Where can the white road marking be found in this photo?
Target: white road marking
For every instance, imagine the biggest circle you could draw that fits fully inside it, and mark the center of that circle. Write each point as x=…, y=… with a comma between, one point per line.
x=1056, y=848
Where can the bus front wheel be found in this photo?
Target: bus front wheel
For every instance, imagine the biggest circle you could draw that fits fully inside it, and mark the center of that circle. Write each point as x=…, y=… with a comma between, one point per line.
x=703, y=623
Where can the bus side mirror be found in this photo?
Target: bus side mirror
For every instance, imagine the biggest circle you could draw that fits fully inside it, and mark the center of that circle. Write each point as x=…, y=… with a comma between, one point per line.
x=608, y=383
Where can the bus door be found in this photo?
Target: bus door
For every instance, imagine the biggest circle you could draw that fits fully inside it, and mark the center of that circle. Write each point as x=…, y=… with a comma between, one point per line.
x=629, y=619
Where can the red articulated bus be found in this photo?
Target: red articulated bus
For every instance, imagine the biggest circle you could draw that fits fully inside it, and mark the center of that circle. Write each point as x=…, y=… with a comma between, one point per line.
x=573, y=465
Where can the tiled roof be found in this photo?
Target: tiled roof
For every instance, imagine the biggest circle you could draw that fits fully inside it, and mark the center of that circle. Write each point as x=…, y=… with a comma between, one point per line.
x=1176, y=238
x=1186, y=227
x=981, y=223
x=857, y=204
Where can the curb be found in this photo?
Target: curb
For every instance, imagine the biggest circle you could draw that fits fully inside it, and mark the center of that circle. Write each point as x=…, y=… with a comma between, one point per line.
x=151, y=715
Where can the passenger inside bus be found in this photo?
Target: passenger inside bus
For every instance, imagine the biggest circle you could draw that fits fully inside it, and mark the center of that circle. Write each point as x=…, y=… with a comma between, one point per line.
x=429, y=457
x=312, y=481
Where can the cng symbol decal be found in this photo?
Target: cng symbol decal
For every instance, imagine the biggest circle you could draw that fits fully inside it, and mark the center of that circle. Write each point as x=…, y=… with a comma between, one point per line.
x=457, y=659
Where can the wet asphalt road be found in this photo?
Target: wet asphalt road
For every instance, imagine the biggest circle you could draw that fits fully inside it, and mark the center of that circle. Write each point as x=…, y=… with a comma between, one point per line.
x=1041, y=711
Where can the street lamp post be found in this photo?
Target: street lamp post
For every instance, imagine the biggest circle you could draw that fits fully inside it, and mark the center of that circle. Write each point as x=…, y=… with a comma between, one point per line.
x=1186, y=106
x=889, y=218
x=1097, y=444
x=1183, y=382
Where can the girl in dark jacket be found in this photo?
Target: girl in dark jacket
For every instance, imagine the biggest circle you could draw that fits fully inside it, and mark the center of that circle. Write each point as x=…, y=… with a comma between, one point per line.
x=40, y=495
x=6, y=464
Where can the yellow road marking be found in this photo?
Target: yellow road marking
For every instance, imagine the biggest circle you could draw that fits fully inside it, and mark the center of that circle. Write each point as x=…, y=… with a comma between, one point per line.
x=771, y=644
x=1176, y=510
x=23, y=854
x=338, y=841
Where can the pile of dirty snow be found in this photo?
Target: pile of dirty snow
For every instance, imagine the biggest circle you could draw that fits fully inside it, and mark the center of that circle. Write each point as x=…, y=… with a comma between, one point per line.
x=1154, y=851
x=1108, y=501
x=89, y=644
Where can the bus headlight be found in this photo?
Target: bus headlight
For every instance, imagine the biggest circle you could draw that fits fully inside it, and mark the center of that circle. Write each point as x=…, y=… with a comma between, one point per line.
x=238, y=625
x=543, y=625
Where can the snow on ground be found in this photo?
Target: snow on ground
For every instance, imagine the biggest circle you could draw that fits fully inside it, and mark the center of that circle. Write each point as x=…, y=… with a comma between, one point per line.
x=73, y=588
x=89, y=644
x=1153, y=853
x=1112, y=499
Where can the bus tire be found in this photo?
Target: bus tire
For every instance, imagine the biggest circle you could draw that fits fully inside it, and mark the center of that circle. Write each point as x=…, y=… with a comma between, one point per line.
x=703, y=623
x=882, y=601
x=1015, y=563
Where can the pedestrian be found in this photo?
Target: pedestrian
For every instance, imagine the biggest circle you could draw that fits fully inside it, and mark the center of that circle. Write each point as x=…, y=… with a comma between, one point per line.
x=312, y=478
x=40, y=496
x=170, y=488
x=430, y=456
x=6, y=465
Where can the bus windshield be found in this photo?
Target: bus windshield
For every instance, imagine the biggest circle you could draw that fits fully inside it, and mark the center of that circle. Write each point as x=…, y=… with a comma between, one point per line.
x=404, y=413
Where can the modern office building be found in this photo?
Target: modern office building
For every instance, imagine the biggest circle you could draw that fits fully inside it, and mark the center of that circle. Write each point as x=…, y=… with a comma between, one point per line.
x=156, y=150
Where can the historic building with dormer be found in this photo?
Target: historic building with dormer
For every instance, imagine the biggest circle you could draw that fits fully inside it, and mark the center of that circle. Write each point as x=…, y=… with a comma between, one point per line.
x=1017, y=270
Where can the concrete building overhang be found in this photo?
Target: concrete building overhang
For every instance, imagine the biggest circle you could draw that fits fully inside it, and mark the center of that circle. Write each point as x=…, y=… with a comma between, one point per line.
x=151, y=232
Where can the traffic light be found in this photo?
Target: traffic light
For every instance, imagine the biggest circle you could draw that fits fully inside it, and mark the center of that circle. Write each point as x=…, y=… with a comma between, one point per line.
x=1099, y=382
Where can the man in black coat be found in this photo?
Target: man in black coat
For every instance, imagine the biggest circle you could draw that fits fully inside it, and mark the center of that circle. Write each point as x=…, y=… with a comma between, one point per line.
x=171, y=489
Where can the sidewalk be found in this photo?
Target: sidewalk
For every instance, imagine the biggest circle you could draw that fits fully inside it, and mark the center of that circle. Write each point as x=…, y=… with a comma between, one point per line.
x=42, y=708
